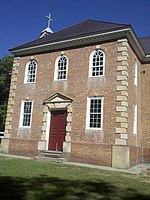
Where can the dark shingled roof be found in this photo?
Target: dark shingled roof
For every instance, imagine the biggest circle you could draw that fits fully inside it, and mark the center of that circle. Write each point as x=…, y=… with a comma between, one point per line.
x=145, y=41
x=84, y=28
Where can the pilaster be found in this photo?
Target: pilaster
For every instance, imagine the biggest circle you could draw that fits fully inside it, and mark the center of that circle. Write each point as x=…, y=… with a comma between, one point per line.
x=5, y=141
x=122, y=93
x=120, y=151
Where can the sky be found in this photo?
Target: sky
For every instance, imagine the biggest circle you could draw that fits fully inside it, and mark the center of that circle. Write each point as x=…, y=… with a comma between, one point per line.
x=22, y=21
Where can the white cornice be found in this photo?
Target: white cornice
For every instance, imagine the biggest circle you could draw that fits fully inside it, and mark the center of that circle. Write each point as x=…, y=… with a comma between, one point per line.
x=69, y=40
x=83, y=40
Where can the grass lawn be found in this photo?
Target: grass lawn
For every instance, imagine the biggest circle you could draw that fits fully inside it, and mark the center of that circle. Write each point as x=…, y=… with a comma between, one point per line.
x=32, y=180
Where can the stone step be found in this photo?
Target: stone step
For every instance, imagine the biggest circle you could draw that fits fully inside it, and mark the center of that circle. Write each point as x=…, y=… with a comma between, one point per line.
x=49, y=159
x=51, y=154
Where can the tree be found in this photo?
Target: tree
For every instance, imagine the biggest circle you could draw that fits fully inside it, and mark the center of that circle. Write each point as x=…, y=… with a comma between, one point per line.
x=6, y=64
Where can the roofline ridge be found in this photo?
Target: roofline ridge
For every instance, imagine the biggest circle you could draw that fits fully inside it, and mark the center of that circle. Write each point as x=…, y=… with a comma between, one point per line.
x=90, y=20
x=73, y=25
x=76, y=24
x=144, y=37
x=110, y=22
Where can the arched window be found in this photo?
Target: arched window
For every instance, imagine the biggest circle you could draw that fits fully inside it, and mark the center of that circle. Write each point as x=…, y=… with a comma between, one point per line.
x=97, y=63
x=30, y=74
x=61, y=68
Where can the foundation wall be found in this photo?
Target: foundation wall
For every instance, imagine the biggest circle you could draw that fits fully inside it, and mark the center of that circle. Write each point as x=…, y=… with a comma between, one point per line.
x=91, y=154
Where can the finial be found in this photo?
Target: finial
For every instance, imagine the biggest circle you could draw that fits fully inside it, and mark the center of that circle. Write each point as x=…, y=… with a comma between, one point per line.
x=49, y=20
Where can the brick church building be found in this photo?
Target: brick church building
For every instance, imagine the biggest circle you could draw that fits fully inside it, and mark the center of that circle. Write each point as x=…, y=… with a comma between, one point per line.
x=83, y=92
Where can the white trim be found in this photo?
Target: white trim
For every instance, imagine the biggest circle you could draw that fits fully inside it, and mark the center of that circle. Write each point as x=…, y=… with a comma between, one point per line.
x=48, y=122
x=87, y=37
x=88, y=112
x=56, y=68
x=21, y=114
x=26, y=72
x=79, y=38
x=91, y=63
x=135, y=120
x=135, y=72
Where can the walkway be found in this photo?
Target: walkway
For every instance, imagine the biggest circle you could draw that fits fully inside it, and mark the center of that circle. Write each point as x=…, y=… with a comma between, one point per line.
x=133, y=170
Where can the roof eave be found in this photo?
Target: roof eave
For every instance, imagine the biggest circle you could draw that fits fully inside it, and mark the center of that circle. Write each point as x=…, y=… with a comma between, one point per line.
x=86, y=40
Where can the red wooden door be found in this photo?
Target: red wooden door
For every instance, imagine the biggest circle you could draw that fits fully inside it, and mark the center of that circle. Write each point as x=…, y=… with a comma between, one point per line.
x=57, y=130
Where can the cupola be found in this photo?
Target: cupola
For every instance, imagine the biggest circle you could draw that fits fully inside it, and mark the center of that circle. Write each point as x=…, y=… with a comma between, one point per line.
x=47, y=30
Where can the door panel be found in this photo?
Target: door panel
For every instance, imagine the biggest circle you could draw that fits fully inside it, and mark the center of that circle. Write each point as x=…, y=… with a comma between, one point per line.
x=57, y=130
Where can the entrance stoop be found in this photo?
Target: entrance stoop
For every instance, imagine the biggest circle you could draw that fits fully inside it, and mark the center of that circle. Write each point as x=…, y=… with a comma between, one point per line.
x=51, y=156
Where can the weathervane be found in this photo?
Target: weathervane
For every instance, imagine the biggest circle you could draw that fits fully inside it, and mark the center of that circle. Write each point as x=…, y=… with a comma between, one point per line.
x=49, y=20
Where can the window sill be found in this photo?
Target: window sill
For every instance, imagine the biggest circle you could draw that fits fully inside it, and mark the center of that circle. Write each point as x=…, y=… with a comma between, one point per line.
x=61, y=80
x=94, y=129
x=97, y=76
x=30, y=83
x=24, y=127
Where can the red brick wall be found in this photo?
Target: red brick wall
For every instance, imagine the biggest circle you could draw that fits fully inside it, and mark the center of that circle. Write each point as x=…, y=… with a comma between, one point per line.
x=134, y=98
x=88, y=146
x=135, y=156
x=145, y=74
x=23, y=147
x=91, y=153
x=146, y=155
x=78, y=86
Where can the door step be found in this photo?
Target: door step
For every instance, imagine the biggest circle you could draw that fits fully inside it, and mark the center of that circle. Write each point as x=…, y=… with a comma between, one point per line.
x=51, y=156
x=48, y=159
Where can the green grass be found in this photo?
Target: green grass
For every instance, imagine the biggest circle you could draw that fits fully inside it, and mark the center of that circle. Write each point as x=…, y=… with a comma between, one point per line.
x=32, y=180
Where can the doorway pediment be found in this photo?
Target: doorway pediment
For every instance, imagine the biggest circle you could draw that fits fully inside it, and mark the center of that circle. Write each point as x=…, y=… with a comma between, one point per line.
x=57, y=100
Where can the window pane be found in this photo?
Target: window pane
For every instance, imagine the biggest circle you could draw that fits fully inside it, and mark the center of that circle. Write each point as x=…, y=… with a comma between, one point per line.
x=95, y=112
x=62, y=68
x=97, y=63
x=31, y=73
x=27, y=113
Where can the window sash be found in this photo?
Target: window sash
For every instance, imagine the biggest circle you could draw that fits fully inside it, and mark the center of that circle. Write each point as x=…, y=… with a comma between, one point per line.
x=30, y=76
x=97, y=63
x=61, y=68
x=135, y=120
x=135, y=73
x=26, y=113
x=94, y=113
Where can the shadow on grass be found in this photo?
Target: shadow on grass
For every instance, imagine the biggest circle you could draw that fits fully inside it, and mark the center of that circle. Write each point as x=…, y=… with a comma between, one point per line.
x=51, y=188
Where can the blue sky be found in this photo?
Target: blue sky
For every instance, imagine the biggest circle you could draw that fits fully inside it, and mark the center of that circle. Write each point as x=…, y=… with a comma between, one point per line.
x=23, y=20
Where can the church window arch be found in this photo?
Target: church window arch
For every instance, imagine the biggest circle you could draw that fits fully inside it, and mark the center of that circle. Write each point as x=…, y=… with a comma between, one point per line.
x=97, y=63
x=30, y=73
x=61, y=68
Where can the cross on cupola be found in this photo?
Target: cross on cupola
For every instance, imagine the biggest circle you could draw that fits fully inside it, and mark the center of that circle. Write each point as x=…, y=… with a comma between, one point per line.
x=49, y=20
x=48, y=30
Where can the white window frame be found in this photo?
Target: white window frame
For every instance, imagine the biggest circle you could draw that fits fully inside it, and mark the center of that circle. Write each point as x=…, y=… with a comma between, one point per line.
x=27, y=72
x=135, y=73
x=56, y=68
x=88, y=112
x=48, y=128
x=91, y=63
x=22, y=113
x=135, y=120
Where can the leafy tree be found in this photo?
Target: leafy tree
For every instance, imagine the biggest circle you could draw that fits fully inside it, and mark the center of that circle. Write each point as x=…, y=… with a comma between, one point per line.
x=6, y=64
